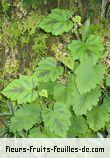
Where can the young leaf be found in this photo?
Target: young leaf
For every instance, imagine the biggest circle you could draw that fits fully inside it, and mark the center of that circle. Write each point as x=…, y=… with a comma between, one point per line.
x=48, y=70
x=25, y=117
x=43, y=93
x=91, y=49
x=22, y=89
x=57, y=22
x=99, y=115
x=58, y=119
x=78, y=126
x=87, y=76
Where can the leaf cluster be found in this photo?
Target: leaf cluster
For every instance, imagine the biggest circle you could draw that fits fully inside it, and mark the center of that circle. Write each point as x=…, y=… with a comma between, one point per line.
x=62, y=98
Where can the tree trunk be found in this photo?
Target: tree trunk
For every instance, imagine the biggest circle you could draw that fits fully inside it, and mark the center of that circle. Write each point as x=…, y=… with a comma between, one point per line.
x=84, y=6
x=104, y=7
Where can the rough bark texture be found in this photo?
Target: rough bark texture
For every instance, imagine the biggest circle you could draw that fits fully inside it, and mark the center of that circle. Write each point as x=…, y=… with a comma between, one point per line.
x=84, y=6
x=105, y=4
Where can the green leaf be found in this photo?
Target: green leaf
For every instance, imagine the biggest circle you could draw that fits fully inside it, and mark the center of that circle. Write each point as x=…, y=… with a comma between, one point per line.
x=58, y=119
x=82, y=103
x=57, y=22
x=87, y=76
x=49, y=86
x=99, y=115
x=78, y=126
x=91, y=49
x=68, y=61
x=37, y=133
x=63, y=94
x=22, y=89
x=108, y=81
x=25, y=117
x=43, y=93
x=106, y=104
x=88, y=134
x=48, y=70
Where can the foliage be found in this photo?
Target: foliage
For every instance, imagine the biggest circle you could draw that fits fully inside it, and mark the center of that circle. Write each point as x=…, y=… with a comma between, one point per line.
x=57, y=22
x=88, y=100
x=36, y=132
x=22, y=89
x=58, y=119
x=60, y=94
x=79, y=126
x=28, y=114
x=48, y=70
x=88, y=76
x=89, y=50
x=65, y=94
x=98, y=116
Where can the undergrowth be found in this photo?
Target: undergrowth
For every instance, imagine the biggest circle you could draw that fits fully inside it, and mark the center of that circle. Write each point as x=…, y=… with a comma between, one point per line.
x=54, y=74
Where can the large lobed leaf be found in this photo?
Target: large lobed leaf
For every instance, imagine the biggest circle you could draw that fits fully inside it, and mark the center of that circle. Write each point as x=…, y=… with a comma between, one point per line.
x=58, y=119
x=63, y=94
x=99, y=115
x=48, y=70
x=85, y=102
x=25, y=117
x=91, y=49
x=57, y=22
x=22, y=89
x=78, y=126
x=88, y=76
x=49, y=86
x=82, y=103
